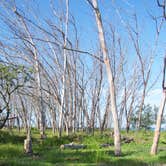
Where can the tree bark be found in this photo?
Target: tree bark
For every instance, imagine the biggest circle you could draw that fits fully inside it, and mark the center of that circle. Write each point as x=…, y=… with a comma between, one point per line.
x=28, y=143
x=141, y=108
x=110, y=77
x=158, y=125
x=64, y=73
x=53, y=121
x=38, y=74
x=160, y=115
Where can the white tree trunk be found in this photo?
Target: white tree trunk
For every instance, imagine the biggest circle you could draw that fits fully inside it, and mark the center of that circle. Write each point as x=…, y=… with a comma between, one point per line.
x=64, y=73
x=28, y=143
x=158, y=125
x=40, y=102
x=110, y=77
x=38, y=78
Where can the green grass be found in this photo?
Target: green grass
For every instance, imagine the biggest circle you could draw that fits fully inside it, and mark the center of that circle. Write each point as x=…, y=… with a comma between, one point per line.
x=48, y=153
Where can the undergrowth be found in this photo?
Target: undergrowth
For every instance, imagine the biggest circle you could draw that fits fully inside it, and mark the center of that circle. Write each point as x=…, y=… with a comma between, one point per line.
x=48, y=153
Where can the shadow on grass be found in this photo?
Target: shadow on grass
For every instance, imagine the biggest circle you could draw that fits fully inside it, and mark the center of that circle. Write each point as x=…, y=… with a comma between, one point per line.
x=162, y=158
x=9, y=137
x=96, y=157
x=10, y=151
x=49, y=153
x=89, y=157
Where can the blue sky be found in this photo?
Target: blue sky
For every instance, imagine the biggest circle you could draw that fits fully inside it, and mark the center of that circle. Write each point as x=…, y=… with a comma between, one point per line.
x=87, y=30
x=85, y=19
x=143, y=9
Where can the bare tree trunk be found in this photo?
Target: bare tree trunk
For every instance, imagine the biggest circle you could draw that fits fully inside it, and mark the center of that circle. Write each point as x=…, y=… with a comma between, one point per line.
x=75, y=99
x=38, y=76
x=96, y=99
x=93, y=110
x=105, y=114
x=64, y=74
x=158, y=125
x=128, y=115
x=25, y=118
x=141, y=108
x=160, y=115
x=104, y=122
x=99, y=116
x=53, y=120
x=94, y=4
x=28, y=143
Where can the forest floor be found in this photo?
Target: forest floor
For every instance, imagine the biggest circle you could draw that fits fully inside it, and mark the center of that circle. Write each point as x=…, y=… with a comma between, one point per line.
x=48, y=153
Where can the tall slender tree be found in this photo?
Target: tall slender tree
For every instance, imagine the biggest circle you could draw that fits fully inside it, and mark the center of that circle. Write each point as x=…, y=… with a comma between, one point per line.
x=64, y=68
x=102, y=40
x=160, y=115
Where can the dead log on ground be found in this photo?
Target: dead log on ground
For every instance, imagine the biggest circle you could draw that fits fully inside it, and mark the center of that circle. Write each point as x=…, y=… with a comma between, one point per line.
x=106, y=145
x=73, y=146
x=126, y=139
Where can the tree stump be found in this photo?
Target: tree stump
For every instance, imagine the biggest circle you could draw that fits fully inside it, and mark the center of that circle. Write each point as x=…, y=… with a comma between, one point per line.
x=28, y=146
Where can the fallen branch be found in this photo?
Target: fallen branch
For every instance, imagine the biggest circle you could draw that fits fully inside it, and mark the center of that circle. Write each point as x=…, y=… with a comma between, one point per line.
x=127, y=139
x=106, y=145
x=73, y=146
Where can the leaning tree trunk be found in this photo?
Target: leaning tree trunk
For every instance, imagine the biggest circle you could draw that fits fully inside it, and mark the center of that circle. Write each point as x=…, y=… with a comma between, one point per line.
x=160, y=115
x=34, y=51
x=110, y=76
x=158, y=125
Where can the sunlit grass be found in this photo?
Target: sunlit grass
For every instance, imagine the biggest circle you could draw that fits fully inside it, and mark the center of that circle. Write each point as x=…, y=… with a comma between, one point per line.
x=48, y=153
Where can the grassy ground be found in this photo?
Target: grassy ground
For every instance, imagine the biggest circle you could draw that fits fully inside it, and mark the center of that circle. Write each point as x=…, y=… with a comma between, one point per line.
x=48, y=153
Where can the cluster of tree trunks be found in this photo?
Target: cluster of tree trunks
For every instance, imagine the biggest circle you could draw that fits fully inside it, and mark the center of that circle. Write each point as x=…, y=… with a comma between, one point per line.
x=64, y=92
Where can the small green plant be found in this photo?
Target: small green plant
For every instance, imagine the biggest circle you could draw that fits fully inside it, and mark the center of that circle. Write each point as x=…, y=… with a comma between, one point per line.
x=12, y=78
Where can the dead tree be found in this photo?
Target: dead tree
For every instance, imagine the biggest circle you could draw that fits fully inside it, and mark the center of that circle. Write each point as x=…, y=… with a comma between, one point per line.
x=160, y=115
x=64, y=68
x=28, y=143
x=145, y=61
x=33, y=49
x=94, y=5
